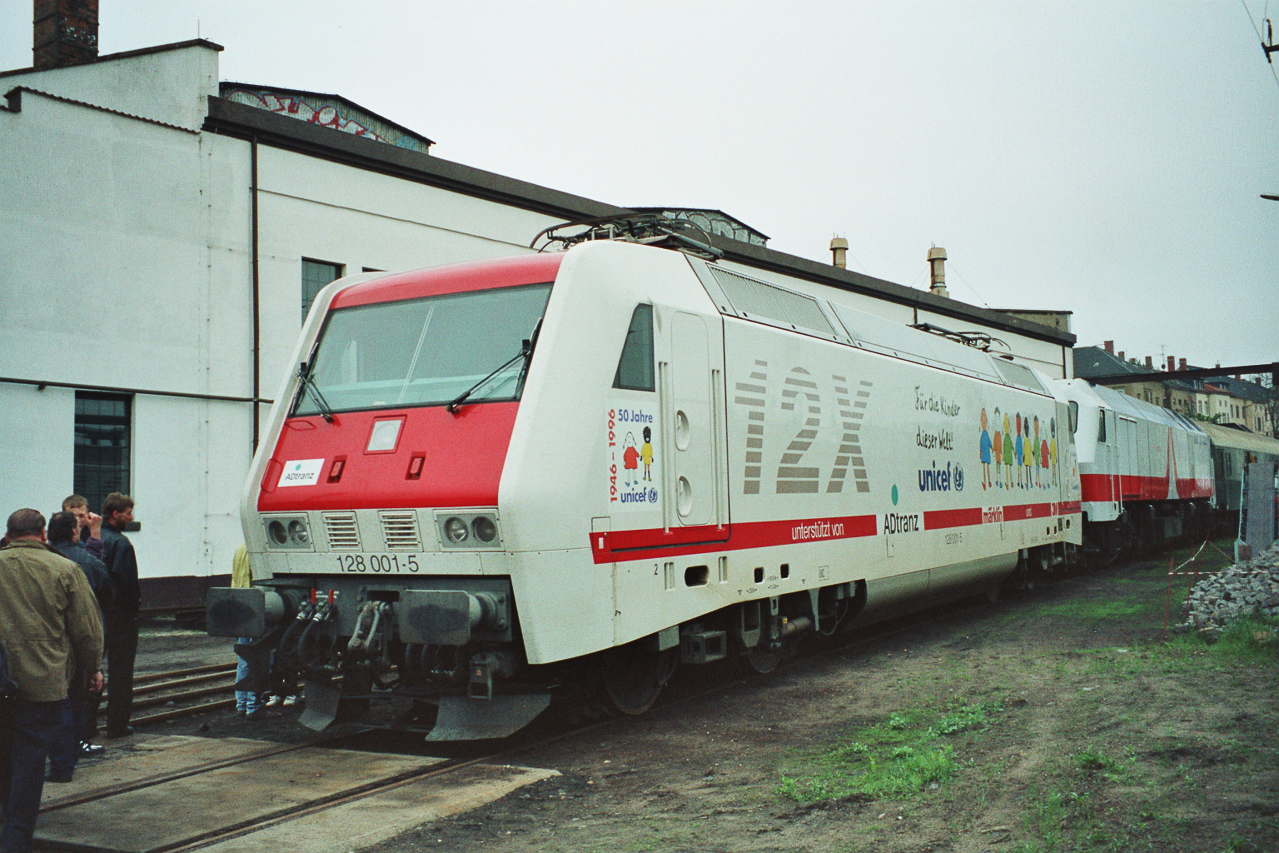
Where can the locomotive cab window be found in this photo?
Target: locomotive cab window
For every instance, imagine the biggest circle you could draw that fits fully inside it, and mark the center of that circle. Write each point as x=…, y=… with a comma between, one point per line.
x=635, y=367
x=424, y=352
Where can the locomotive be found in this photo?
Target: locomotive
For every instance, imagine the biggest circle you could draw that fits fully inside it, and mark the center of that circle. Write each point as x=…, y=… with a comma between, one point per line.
x=489, y=483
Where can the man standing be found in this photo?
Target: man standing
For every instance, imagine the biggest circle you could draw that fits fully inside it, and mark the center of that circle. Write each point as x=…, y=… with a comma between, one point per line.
x=49, y=625
x=122, y=617
x=63, y=536
x=89, y=532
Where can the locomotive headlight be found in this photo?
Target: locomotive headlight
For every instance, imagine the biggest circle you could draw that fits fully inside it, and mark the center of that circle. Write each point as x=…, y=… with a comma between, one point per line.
x=287, y=533
x=298, y=532
x=456, y=531
x=485, y=529
x=472, y=529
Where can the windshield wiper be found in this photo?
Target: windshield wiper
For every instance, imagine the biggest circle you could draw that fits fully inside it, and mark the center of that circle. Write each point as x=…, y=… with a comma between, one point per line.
x=525, y=348
x=309, y=386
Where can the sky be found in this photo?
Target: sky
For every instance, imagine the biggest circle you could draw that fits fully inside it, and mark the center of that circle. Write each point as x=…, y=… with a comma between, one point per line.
x=1103, y=158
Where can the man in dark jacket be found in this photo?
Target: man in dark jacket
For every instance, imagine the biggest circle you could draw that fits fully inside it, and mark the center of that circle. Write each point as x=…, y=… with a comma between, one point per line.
x=64, y=538
x=49, y=626
x=122, y=617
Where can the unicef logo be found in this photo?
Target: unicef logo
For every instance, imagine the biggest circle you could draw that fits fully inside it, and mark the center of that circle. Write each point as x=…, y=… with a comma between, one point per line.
x=959, y=479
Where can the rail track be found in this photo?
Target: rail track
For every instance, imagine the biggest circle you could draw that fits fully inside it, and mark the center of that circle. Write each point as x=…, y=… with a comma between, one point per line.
x=251, y=788
x=181, y=693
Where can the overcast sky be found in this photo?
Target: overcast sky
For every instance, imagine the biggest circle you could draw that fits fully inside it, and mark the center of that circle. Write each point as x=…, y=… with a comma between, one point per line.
x=1104, y=158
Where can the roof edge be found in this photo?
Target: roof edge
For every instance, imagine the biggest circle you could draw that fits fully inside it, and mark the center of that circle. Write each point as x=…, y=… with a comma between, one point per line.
x=127, y=54
x=240, y=120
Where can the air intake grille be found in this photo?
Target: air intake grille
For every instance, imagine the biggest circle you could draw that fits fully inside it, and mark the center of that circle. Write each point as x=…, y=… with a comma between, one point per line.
x=342, y=530
x=400, y=529
x=758, y=300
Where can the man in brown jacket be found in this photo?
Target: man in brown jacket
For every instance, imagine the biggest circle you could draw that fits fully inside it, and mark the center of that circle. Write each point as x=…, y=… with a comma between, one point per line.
x=51, y=629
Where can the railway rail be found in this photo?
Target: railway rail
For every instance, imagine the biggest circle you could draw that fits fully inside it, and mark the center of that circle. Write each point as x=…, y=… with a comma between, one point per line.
x=254, y=792
x=168, y=695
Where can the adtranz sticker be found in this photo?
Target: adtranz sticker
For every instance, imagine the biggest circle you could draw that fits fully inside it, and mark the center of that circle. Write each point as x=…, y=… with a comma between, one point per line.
x=301, y=472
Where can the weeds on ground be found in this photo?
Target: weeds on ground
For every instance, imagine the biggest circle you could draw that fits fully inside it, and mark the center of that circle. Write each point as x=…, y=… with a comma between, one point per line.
x=896, y=758
x=1247, y=640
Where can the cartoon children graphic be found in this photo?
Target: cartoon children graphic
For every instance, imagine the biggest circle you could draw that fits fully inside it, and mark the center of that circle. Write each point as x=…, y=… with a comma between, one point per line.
x=1052, y=447
x=1032, y=458
x=985, y=452
x=1020, y=448
x=646, y=453
x=1031, y=452
x=1008, y=453
x=999, y=451
x=630, y=460
x=1043, y=454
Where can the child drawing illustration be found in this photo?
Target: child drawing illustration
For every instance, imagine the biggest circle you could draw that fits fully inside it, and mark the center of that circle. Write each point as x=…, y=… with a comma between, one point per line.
x=999, y=451
x=646, y=453
x=986, y=446
x=1032, y=458
x=1020, y=448
x=1031, y=453
x=1052, y=447
x=630, y=460
x=1008, y=453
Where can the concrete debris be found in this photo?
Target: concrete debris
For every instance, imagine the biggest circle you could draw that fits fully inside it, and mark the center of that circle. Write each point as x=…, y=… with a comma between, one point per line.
x=1245, y=589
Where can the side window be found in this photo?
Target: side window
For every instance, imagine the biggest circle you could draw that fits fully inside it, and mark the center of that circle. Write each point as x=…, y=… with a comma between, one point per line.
x=1074, y=417
x=315, y=275
x=1101, y=427
x=635, y=367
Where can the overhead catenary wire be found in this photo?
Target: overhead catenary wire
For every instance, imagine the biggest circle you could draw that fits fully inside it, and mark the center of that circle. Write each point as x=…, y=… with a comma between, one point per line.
x=1260, y=38
x=950, y=266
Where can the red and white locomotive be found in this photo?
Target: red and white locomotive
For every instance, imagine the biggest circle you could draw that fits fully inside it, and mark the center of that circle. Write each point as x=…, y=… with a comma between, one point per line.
x=488, y=481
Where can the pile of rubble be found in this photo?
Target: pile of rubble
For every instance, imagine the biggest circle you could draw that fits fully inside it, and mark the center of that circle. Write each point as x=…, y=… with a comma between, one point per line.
x=1245, y=589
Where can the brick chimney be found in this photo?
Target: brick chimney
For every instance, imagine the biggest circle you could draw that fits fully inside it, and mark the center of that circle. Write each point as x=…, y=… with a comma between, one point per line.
x=1172, y=364
x=1181, y=364
x=66, y=32
x=1109, y=346
x=1150, y=365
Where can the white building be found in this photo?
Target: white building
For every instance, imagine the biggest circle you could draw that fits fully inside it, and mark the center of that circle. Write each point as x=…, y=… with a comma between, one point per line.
x=162, y=233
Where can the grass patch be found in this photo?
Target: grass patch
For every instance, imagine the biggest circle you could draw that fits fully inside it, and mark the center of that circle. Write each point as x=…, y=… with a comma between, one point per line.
x=1097, y=761
x=1094, y=610
x=894, y=759
x=1248, y=640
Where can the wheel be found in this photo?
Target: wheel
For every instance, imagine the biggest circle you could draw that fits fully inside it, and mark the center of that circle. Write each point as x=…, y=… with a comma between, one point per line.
x=761, y=660
x=634, y=676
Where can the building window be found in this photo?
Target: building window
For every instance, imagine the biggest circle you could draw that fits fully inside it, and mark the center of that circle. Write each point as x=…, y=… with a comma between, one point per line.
x=315, y=275
x=102, y=443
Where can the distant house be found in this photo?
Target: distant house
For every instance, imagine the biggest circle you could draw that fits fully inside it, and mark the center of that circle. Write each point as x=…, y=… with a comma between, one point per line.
x=1223, y=400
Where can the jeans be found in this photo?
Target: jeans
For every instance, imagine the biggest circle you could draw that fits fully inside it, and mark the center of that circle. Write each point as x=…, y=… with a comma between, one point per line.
x=75, y=729
x=246, y=701
x=28, y=730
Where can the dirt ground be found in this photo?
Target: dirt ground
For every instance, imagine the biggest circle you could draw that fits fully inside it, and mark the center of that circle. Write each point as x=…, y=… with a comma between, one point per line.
x=1086, y=730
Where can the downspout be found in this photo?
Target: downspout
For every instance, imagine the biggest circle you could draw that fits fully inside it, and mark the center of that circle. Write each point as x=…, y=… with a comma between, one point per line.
x=257, y=333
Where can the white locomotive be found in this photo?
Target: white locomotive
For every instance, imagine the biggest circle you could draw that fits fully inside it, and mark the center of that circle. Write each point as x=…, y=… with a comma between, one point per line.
x=486, y=481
